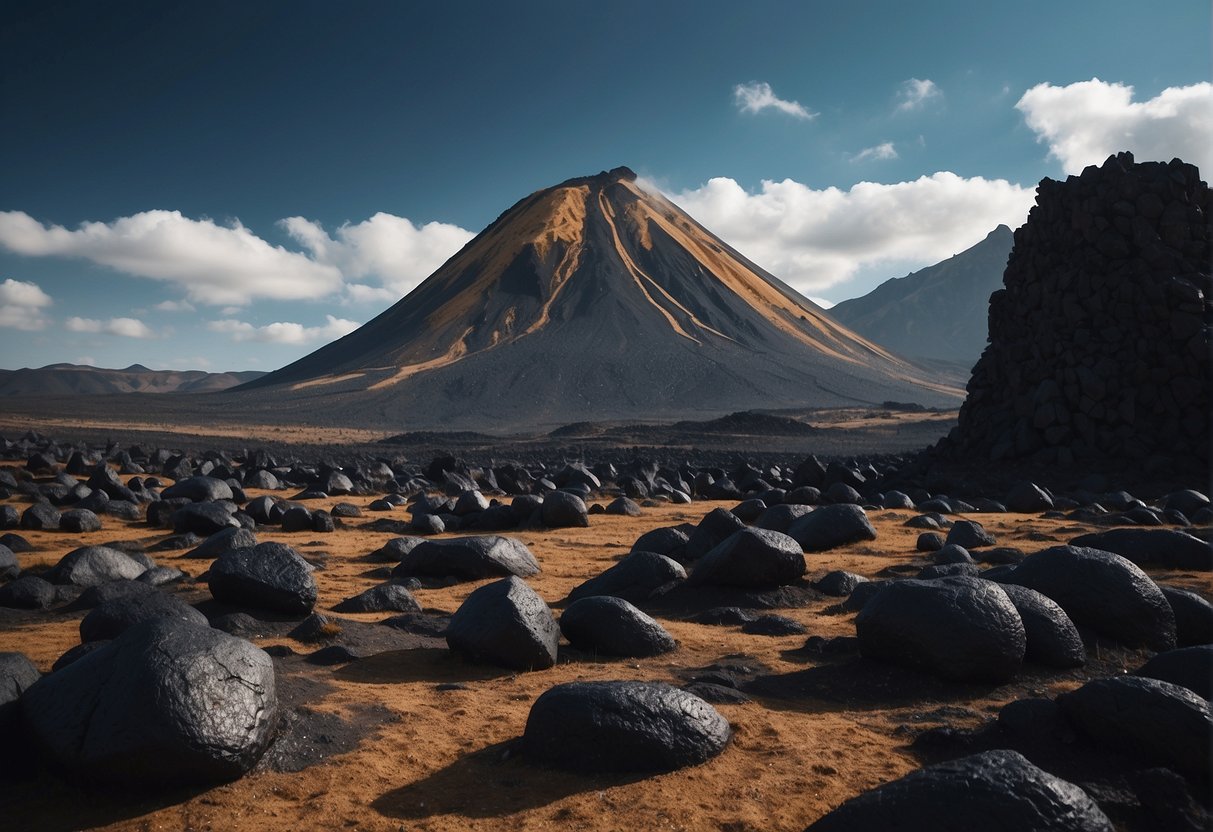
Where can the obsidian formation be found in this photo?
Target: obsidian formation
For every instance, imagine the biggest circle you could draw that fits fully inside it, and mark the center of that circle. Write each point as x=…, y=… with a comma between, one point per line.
x=1100, y=339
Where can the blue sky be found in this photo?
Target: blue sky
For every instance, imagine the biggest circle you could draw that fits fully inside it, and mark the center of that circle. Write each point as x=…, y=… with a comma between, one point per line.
x=228, y=185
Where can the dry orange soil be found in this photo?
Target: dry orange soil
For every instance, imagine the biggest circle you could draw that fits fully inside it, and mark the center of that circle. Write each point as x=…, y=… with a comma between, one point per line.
x=439, y=759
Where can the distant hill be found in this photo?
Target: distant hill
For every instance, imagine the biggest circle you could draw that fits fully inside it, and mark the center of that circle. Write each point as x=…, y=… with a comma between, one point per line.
x=939, y=312
x=593, y=299
x=80, y=380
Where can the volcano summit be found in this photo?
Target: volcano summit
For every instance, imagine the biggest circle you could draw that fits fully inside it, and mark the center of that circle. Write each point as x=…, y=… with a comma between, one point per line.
x=596, y=299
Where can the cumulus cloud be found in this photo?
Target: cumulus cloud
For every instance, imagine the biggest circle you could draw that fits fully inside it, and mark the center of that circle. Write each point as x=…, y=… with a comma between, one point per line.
x=1086, y=122
x=916, y=92
x=284, y=332
x=122, y=327
x=174, y=306
x=758, y=96
x=880, y=152
x=22, y=304
x=390, y=248
x=814, y=239
x=214, y=264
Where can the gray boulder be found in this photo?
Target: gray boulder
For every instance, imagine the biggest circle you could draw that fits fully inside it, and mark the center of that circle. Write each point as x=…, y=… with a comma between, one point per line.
x=468, y=558
x=382, y=598
x=9, y=567
x=165, y=704
x=561, y=509
x=614, y=727
x=112, y=618
x=970, y=534
x=92, y=565
x=507, y=624
x=268, y=576
x=79, y=521
x=29, y=592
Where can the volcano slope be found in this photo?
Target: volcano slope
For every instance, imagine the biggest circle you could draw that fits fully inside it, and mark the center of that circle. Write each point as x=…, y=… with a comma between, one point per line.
x=593, y=298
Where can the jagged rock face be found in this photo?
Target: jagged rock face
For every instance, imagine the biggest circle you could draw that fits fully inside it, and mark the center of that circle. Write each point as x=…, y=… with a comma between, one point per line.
x=1099, y=342
x=596, y=298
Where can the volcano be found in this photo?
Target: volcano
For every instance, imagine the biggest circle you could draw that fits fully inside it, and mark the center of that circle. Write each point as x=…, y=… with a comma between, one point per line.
x=596, y=299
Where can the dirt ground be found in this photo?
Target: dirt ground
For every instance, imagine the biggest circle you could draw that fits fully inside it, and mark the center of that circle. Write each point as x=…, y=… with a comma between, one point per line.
x=432, y=734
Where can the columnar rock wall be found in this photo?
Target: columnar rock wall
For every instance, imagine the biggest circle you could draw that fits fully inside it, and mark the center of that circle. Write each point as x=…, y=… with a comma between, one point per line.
x=1100, y=342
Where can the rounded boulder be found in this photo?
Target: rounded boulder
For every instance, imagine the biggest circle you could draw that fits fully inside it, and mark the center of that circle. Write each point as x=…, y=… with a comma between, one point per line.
x=622, y=726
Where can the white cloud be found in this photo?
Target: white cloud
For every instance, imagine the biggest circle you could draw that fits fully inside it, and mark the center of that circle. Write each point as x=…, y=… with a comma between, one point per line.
x=214, y=264
x=880, y=152
x=360, y=293
x=916, y=92
x=1086, y=122
x=390, y=248
x=758, y=96
x=175, y=306
x=123, y=327
x=87, y=361
x=22, y=305
x=822, y=302
x=814, y=239
x=284, y=332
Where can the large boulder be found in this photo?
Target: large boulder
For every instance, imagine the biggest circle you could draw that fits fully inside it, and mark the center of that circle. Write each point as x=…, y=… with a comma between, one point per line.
x=713, y=528
x=468, y=558
x=780, y=518
x=268, y=576
x=1158, y=722
x=17, y=673
x=960, y=628
x=1166, y=548
x=40, y=517
x=29, y=592
x=507, y=624
x=10, y=568
x=831, y=526
x=204, y=518
x=1190, y=667
x=395, y=549
x=995, y=789
x=612, y=727
x=1102, y=591
x=79, y=521
x=1028, y=498
x=1193, y=616
x=383, y=598
x=112, y=618
x=198, y=490
x=633, y=579
x=613, y=627
x=751, y=558
x=969, y=534
x=667, y=540
x=92, y=565
x=561, y=509
x=166, y=703
x=1053, y=640
x=223, y=541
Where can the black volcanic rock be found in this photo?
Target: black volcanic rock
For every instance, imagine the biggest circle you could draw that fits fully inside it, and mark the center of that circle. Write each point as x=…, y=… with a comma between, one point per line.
x=611, y=626
x=507, y=624
x=610, y=727
x=829, y=527
x=633, y=579
x=938, y=312
x=1099, y=342
x=586, y=296
x=751, y=558
x=1167, y=548
x=994, y=789
x=269, y=576
x=167, y=703
x=960, y=628
x=1189, y=667
x=468, y=558
x=1102, y=591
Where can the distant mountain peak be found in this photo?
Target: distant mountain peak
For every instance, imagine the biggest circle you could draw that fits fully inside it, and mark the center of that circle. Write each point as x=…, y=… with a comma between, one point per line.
x=937, y=313
x=596, y=298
